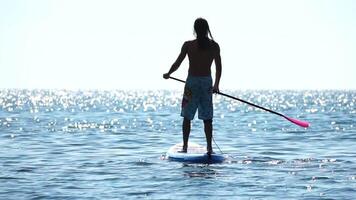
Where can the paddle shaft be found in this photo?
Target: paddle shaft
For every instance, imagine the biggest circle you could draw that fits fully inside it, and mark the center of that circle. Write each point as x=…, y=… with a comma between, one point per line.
x=241, y=100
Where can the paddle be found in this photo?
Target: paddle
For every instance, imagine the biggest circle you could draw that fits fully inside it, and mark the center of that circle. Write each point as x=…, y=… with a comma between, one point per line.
x=295, y=121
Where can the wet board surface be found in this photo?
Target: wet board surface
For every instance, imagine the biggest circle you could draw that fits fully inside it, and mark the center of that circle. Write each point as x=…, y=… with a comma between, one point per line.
x=196, y=154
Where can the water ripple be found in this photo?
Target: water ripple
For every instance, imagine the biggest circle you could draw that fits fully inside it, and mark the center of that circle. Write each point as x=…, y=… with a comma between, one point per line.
x=108, y=144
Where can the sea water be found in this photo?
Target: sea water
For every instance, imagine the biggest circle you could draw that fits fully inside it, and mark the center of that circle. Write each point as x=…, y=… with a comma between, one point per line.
x=60, y=144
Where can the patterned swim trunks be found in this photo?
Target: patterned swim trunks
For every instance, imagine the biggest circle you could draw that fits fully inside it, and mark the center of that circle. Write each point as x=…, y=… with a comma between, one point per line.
x=198, y=95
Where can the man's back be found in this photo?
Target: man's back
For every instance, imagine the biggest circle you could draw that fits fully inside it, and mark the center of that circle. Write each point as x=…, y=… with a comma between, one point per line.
x=200, y=59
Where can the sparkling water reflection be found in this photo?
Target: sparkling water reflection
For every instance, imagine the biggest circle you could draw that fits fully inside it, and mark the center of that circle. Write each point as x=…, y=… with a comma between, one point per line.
x=59, y=144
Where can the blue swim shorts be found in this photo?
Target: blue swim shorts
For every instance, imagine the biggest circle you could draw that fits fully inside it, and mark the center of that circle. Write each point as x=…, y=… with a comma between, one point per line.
x=198, y=94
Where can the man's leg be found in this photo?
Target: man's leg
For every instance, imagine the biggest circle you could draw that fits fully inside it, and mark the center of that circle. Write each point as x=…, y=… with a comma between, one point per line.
x=208, y=128
x=186, y=132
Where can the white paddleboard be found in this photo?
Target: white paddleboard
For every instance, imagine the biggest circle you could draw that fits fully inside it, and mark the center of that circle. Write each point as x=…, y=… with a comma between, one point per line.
x=195, y=154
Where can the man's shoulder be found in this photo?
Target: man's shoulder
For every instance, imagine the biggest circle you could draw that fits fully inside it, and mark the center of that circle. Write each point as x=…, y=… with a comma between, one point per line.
x=189, y=42
x=216, y=46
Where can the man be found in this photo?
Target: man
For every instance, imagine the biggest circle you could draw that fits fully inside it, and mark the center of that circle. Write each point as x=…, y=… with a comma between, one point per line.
x=198, y=87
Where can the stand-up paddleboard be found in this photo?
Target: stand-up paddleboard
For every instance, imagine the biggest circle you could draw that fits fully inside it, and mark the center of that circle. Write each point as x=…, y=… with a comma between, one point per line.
x=195, y=154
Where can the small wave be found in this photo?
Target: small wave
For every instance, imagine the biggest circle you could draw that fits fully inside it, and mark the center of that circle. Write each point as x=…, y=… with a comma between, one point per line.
x=142, y=162
x=8, y=178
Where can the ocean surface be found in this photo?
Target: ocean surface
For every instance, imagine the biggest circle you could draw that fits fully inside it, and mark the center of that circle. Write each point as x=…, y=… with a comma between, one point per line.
x=60, y=144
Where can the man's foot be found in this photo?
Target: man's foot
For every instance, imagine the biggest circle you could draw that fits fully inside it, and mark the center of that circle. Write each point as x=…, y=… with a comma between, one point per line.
x=184, y=150
x=209, y=151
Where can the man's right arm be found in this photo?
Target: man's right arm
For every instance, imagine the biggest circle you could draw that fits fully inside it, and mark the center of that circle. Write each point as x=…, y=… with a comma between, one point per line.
x=218, y=70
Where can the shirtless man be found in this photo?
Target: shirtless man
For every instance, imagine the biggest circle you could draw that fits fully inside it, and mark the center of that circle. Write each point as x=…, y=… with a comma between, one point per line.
x=198, y=87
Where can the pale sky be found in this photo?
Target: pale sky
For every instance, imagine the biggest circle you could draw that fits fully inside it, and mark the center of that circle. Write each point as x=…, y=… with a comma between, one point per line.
x=102, y=44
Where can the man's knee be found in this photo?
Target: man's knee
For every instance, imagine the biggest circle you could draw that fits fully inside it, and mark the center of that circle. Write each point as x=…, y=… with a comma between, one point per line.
x=186, y=120
x=208, y=121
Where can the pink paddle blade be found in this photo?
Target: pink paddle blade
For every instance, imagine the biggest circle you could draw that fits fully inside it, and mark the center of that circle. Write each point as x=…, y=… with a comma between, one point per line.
x=298, y=122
